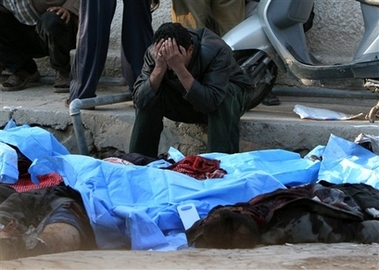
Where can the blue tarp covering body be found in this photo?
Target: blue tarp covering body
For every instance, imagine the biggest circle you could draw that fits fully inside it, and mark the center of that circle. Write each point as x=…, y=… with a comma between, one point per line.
x=137, y=205
x=347, y=162
x=33, y=142
x=139, y=202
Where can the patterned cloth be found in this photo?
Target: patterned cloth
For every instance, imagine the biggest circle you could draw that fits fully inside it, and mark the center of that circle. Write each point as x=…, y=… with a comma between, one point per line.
x=22, y=10
x=199, y=167
x=25, y=184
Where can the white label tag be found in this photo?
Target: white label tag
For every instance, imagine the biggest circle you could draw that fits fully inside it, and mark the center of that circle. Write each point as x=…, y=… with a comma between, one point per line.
x=188, y=214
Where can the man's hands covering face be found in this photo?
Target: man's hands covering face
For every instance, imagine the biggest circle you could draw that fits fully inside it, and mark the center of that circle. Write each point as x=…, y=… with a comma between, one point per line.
x=168, y=55
x=171, y=54
x=160, y=62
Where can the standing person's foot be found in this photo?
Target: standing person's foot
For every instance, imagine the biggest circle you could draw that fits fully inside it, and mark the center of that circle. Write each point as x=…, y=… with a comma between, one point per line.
x=62, y=82
x=19, y=80
x=67, y=103
x=271, y=100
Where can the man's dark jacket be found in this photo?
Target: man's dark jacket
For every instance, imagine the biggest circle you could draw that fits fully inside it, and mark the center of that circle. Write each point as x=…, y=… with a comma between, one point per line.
x=212, y=66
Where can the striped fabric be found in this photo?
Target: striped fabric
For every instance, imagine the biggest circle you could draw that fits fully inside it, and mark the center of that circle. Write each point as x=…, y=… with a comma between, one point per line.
x=23, y=11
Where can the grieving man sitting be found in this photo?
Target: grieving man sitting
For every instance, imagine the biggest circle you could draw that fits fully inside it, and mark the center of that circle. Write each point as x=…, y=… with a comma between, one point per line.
x=190, y=77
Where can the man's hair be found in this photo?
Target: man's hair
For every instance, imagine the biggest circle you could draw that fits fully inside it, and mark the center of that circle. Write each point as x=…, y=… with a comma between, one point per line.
x=176, y=31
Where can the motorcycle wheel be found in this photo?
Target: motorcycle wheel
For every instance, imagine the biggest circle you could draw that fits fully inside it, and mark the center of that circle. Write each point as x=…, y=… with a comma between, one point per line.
x=261, y=71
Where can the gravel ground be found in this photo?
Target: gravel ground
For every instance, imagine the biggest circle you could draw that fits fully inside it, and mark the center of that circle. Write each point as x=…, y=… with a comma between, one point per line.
x=300, y=256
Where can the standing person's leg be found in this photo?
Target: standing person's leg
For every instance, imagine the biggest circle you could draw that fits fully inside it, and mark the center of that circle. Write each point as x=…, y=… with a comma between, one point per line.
x=61, y=39
x=93, y=39
x=19, y=44
x=191, y=14
x=137, y=35
x=228, y=13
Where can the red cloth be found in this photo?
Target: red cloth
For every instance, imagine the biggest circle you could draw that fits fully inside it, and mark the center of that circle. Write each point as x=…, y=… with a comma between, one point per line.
x=24, y=183
x=199, y=167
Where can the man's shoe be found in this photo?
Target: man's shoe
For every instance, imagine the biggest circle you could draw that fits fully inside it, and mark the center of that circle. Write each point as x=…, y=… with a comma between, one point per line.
x=62, y=82
x=271, y=100
x=19, y=80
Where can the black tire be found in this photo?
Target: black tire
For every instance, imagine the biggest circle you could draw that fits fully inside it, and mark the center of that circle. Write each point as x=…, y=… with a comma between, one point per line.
x=263, y=80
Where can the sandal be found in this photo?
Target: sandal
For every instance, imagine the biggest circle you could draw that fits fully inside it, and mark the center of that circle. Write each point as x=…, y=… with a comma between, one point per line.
x=19, y=80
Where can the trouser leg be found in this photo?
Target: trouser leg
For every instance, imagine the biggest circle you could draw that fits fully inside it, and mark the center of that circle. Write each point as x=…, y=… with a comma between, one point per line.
x=58, y=237
x=223, y=124
x=60, y=38
x=228, y=13
x=63, y=232
x=19, y=44
x=191, y=14
x=27, y=217
x=147, y=128
x=93, y=40
x=137, y=35
x=148, y=123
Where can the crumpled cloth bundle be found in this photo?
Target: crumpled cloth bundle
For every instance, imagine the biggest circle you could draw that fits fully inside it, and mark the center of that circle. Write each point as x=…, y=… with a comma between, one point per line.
x=199, y=167
x=368, y=141
x=316, y=212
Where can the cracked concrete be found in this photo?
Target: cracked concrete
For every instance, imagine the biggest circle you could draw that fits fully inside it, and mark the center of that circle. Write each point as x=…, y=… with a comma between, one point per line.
x=264, y=127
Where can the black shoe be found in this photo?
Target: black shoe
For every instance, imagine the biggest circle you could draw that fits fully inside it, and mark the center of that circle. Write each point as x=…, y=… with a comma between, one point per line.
x=271, y=100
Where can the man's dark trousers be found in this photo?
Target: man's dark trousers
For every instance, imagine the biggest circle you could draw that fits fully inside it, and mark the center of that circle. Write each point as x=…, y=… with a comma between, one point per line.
x=20, y=43
x=222, y=124
x=94, y=31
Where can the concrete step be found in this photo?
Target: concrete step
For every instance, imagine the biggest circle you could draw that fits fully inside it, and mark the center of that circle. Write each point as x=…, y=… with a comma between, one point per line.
x=264, y=127
x=112, y=66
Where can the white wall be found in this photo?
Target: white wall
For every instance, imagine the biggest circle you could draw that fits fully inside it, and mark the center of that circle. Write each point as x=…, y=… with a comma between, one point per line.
x=337, y=29
x=335, y=34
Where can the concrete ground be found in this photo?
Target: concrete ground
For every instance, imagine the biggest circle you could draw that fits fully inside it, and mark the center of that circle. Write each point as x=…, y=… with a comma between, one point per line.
x=300, y=256
x=109, y=126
